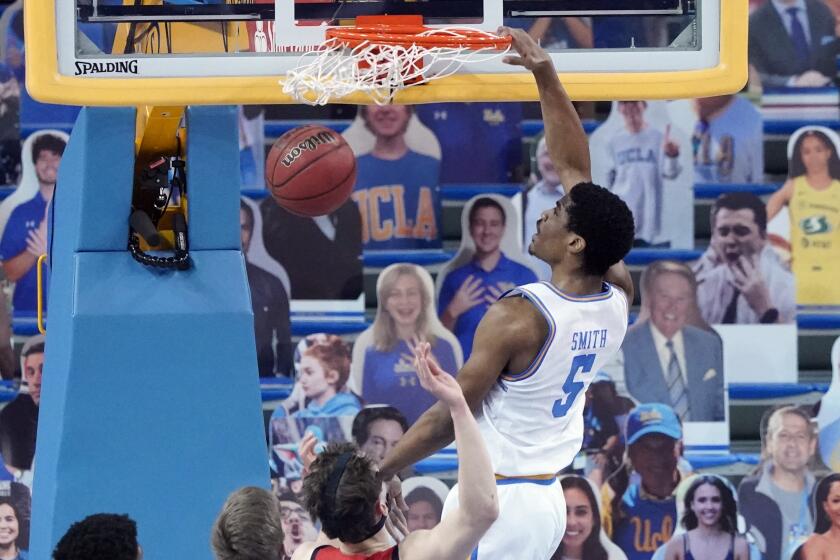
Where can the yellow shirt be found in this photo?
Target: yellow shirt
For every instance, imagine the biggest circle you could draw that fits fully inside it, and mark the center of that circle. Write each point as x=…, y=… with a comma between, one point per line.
x=815, y=242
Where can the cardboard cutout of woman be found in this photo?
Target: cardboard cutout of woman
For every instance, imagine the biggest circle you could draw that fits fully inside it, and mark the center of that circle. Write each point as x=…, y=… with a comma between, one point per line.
x=644, y=158
x=811, y=196
x=425, y=497
x=488, y=264
x=383, y=361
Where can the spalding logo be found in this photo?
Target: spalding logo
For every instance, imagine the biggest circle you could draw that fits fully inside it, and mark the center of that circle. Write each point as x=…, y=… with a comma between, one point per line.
x=310, y=143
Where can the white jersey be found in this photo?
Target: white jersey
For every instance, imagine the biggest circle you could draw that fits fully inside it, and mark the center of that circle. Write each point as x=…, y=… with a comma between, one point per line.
x=532, y=421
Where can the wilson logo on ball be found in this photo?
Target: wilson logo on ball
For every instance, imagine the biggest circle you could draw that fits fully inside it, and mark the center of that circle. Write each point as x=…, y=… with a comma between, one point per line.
x=310, y=143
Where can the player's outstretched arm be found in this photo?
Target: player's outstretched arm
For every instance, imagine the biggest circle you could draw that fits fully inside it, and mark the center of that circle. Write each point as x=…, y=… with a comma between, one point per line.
x=459, y=532
x=504, y=328
x=564, y=135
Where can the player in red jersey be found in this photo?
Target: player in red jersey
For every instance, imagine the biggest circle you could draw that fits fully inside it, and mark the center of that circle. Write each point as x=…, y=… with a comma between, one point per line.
x=343, y=489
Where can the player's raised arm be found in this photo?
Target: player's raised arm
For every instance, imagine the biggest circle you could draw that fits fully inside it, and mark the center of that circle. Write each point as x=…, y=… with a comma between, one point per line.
x=502, y=330
x=564, y=135
x=459, y=532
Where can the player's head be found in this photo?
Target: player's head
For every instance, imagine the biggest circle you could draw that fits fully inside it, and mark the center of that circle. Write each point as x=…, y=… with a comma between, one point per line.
x=739, y=225
x=545, y=166
x=249, y=526
x=669, y=289
x=47, y=150
x=386, y=121
x=32, y=365
x=583, y=520
x=102, y=536
x=324, y=367
x=710, y=502
x=814, y=152
x=487, y=225
x=377, y=429
x=827, y=503
x=344, y=492
x=654, y=442
x=633, y=113
x=403, y=306
x=246, y=224
x=590, y=229
x=791, y=440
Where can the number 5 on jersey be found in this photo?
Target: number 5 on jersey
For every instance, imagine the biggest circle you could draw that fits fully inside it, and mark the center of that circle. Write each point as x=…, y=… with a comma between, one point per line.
x=571, y=388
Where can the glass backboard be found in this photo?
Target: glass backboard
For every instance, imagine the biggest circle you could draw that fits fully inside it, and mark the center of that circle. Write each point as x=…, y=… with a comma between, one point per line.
x=111, y=52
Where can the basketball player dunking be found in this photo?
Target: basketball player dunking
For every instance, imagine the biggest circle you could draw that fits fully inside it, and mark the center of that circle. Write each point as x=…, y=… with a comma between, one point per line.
x=538, y=347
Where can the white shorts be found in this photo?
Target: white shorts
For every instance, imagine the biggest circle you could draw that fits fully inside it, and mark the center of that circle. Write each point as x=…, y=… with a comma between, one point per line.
x=531, y=523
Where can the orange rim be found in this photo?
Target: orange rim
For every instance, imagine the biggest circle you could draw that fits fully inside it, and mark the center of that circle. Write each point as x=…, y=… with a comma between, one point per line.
x=407, y=35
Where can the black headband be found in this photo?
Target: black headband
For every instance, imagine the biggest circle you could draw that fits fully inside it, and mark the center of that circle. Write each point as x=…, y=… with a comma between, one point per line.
x=331, y=491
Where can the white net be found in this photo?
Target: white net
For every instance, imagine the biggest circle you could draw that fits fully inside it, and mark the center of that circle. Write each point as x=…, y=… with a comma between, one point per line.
x=378, y=69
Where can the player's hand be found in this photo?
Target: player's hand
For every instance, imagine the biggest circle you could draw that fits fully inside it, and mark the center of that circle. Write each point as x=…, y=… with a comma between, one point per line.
x=531, y=55
x=670, y=146
x=396, y=522
x=433, y=379
x=469, y=294
x=749, y=281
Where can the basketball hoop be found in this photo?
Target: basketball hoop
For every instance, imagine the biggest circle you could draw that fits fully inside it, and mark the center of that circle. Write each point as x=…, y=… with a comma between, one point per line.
x=383, y=54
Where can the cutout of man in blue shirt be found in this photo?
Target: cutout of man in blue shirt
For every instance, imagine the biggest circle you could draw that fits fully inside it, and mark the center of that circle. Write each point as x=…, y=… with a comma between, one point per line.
x=468, y=291
x=25, y=236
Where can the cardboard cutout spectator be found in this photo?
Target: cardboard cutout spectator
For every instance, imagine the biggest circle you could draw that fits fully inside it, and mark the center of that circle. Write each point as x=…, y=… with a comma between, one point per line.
x=383, y=370
x=740, y=279
x=270, y=302
x=643, y=158
x=377, y=429
x=424, y=496
x=19, y=418
x=297, y=524
x=792, y=43
x=488, y=135
x=669, y=355
x=708, y=514
x=397, y=189
x=15, y=517
x=727, y=140
x=604, y=419
x=544, y=195
x=825, y=542
x=321, y=381
x=828, y=418
x=775, y=500
x=584, y=538
x=487, y=265
x=640, y=512
x=301, y=246
x=811, y=196
x=24, y=236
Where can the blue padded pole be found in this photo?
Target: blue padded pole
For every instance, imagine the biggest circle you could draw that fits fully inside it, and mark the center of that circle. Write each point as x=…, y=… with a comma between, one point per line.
x=151, y=402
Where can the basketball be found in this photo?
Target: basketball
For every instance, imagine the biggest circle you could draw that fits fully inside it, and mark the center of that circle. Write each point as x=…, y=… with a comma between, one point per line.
x=310, y=170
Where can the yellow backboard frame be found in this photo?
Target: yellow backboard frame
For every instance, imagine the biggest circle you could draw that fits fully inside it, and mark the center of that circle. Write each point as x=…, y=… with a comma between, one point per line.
x=45, y=83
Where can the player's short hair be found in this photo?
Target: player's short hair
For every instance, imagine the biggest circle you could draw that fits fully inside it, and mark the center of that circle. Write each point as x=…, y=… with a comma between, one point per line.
x=344, y=500
x=486, y=202
x=369, y=415
x=102, y=536
x=741, y=201
x=604, y=221
x=249, y=526
x=249, y=213
x=334, y=355
x=48, y=143
x=658, y=268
